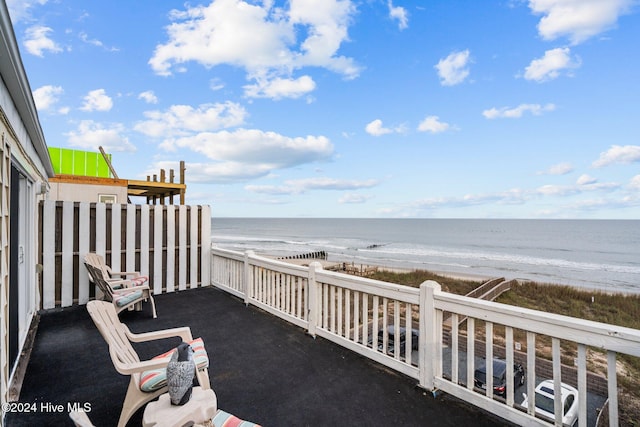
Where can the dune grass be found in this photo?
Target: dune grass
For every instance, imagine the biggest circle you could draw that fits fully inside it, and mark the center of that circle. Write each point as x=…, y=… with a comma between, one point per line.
x=416, y=277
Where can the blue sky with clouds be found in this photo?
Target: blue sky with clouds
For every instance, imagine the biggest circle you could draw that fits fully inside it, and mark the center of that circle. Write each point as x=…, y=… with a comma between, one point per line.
x=338, y=108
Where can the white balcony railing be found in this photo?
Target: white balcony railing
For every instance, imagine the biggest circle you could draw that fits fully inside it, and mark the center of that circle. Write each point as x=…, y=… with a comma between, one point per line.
x=365, y=315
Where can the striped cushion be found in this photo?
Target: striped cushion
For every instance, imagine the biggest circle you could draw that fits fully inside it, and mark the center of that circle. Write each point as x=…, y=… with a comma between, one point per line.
x=155, y=379
x=126, y=299
x=140, y=280
x=136, y=281
x=225, y=419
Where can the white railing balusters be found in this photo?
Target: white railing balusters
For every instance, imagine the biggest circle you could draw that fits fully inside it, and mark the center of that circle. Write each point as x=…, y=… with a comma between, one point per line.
x=471, y=350
x=454, y=348
x=347, y=317
x=582, y=385
x=340, y=311
x=365, y=318
x=612, y=382
x=356, y=316
x=375, y=327
x=557, y=379
x=531, y=371
x=385, y=326
x=488, y=338
x=508, y=335
x=360, y=313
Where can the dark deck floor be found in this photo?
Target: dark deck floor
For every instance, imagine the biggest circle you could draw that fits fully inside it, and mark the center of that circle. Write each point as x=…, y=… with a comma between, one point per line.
x=262, y=369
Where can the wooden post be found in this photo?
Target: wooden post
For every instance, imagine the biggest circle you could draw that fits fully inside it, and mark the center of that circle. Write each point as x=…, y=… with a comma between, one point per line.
x=182, y=169
x=312, y=308
x=248, y=277
x=427, y=337
x=162, y=179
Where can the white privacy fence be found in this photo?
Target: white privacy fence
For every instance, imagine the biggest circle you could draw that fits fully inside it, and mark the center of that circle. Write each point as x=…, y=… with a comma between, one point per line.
x=367, y=316
x=170, y=244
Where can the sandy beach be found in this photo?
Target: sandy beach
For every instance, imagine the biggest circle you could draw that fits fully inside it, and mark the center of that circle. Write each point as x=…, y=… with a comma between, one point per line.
x=335, y=265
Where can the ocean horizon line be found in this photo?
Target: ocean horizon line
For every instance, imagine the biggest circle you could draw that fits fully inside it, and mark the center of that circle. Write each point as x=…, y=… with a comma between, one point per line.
x=428, y=218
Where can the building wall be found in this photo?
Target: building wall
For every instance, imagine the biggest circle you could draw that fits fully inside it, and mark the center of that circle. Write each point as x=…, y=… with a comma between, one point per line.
x=23, y=156
x=87, y=192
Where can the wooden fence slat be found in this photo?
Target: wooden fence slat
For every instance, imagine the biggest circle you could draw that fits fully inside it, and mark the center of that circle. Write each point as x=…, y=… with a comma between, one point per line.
x=49, y=254
x=205, y=246
x=83, y=249
x=101, y=231
x=66, y=294
x=193, y=245
x=182, y=245
x=171, y=247
x=144, y=241
x=157, y=250
x=178, y=249
x=116, y=233
x=130, y=245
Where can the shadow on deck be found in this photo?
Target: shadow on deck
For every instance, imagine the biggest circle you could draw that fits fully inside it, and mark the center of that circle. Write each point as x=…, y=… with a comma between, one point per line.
x=262, y=369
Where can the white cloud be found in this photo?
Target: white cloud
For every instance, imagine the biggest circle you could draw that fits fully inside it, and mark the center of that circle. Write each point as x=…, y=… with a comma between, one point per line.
x=400, y=14
x=550, y=65
x=216, y=84
x=354, y=198
x=509, y=197
x=586, y=180
x=634, y=184
x=516, y=196
x=260, y=38
x=184, y=120
x=300, y=186
x=233, y=155
x=584, y=184
x=90, y=135
x=47, y=96
x=252, y=146
x=95, y=42
x=432, y=124
x=579, y=20
x=37, y=41
x=97, y=100
x=375, y=128
x=279, y=88
x=517, y=112
x=20, y=9
x=558, y=169
x=453, y=69
x=218, y=172
x=618, y=154
x=149, y=97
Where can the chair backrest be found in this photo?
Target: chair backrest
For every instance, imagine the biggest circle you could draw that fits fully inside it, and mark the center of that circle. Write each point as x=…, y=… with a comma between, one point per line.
x=98, y=278
x=113, y=331
x=97, y=261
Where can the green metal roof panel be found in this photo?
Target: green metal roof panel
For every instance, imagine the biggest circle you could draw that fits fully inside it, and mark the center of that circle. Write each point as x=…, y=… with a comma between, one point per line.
x=79, y=163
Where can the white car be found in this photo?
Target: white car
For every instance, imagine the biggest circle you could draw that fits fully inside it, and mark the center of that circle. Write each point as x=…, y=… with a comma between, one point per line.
x=544, y=402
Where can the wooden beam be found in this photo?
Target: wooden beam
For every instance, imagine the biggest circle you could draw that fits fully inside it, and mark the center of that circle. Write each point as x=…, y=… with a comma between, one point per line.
x=106, y=159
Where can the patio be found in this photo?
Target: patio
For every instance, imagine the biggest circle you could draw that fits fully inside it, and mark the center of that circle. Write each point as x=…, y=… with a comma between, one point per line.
x=262, y=369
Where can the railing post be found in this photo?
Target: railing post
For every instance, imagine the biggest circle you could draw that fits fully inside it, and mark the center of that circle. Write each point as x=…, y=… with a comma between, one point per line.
x=312, y=309
x=428, y=334
x=248, y=277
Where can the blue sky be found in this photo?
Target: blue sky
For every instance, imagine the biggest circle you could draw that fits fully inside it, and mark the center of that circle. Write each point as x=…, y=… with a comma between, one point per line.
x=337, y=108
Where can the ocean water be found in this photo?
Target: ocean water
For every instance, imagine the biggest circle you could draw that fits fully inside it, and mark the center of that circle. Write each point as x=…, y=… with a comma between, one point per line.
x=593, y=254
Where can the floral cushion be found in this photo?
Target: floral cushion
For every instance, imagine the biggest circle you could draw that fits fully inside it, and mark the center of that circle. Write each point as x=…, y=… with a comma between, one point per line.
x=155, y=379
